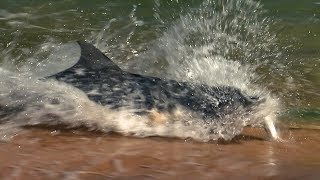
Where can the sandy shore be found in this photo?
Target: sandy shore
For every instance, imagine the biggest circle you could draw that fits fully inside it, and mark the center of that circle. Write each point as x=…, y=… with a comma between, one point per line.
x=48, y=154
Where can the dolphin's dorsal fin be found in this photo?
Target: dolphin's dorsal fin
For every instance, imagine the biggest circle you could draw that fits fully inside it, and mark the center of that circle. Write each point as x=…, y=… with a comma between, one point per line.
x=93, y=58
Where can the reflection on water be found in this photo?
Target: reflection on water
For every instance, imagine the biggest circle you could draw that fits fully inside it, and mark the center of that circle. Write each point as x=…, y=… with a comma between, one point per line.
x=53, y=154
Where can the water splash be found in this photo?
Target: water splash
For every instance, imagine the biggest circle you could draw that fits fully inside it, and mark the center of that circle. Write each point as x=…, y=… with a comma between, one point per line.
x=219, y=43
x=232, y=35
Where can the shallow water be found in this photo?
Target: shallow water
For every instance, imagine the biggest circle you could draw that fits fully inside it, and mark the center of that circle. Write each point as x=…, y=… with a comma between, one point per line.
x=271, y=49
x=50, y=154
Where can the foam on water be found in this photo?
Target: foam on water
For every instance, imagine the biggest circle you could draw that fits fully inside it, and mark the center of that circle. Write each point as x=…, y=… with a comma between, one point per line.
x=219, y=43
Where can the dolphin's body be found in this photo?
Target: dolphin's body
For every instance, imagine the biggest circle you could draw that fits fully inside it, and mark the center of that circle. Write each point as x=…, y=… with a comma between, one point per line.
x=105, y=83
x=108, y=85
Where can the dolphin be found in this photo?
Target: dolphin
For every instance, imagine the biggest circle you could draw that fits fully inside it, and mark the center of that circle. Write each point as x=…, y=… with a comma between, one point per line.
x=107, y=84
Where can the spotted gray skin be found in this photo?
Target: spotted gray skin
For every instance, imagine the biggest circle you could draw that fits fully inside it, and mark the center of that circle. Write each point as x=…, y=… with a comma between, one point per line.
x=105, y=83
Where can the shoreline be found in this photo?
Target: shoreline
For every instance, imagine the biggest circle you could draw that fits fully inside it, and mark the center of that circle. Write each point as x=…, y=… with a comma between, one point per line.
x=44, y=154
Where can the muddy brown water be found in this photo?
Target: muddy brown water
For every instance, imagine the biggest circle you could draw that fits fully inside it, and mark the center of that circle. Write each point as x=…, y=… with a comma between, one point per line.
x=48, y=154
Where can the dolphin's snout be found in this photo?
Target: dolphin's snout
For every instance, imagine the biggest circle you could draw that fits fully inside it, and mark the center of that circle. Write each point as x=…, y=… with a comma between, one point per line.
x=270, y=128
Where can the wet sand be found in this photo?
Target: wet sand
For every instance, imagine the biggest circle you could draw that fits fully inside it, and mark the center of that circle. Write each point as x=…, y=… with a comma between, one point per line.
x=47, y=154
